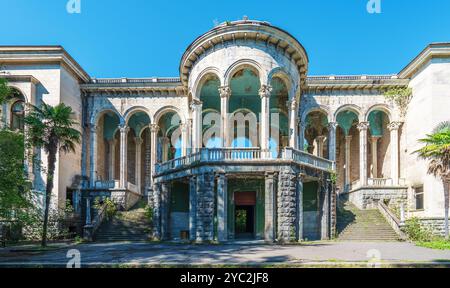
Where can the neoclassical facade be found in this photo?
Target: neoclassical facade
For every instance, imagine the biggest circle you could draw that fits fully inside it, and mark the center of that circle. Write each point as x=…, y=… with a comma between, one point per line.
x=244, y=143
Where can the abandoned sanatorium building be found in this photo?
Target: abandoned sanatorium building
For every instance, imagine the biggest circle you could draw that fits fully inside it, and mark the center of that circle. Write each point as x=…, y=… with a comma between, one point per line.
x=306, y=140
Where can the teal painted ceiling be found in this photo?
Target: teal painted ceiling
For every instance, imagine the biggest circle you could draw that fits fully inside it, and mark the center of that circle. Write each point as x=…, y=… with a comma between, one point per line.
x=245, y=87
x=346, y=119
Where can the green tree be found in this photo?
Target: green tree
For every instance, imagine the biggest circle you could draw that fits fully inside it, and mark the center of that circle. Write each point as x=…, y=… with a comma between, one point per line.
x=401, y=97
x=437, y=152
x=52, y=129
x=4, y=90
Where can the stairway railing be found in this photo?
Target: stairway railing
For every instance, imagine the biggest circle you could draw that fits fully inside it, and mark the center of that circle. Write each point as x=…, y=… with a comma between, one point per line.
x=392, y=219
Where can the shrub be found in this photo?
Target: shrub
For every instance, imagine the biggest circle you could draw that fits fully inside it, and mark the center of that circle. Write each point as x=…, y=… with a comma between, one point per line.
x=416, y=232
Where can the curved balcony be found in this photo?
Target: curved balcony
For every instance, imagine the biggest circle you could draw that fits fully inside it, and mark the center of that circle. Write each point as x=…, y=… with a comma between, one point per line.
x=242, y=155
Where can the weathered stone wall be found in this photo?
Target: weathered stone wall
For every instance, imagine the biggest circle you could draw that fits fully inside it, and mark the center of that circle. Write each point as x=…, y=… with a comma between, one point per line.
x=287, y=207
x=367, y=198
x=205, y=207
x=179, y=221
x=436, y=225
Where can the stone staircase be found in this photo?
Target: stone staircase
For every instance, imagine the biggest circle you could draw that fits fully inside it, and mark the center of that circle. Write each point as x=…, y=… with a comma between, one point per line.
x=132, y=225
x=354, y=224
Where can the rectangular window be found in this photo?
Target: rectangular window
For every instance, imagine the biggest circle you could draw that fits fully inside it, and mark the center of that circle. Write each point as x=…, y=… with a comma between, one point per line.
x=418, y=194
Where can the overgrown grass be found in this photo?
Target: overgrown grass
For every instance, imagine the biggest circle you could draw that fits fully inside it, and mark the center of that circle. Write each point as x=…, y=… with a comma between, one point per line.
x=438, y=244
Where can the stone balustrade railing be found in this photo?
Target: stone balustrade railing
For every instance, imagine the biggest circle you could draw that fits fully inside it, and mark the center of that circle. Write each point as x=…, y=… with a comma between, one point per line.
x=211, y=155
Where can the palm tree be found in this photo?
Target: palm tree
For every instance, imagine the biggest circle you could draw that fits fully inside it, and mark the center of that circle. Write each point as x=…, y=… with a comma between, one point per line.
x=51, y=128
x=437, y=152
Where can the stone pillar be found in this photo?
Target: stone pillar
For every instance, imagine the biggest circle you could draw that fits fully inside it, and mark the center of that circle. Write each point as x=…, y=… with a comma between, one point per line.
x=225, y=93
x=348, y=142
x=270, y=207
x=264, y=93
x=287, y=220
x=301, y=143
x=112, y=158
x=292, y=106
x=157, y=211
x=148, y=166
x=375, y=156
x=320, y=141
x=165, y=211
x=123, y=156
x=325, y=206
x=332, y=141
x=138, y=166
x=196, y=107
x=192, y=207
x=184, y=139
x=394, y=128
x=222, y=216
x=165, y=148
x=93, y=156
x=363, y=127
x=154, y=149
x=205, y=207
x=300, y=180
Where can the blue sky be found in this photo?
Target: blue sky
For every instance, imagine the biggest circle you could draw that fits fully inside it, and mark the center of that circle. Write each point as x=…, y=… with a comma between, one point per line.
x=144, y=38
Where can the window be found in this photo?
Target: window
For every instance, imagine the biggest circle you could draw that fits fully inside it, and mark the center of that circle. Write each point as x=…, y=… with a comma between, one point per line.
x=418, y=195
x=17, y=115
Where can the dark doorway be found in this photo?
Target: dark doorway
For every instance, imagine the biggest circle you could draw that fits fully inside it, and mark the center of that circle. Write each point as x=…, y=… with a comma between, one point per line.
x=245, y=221
x=245, y=215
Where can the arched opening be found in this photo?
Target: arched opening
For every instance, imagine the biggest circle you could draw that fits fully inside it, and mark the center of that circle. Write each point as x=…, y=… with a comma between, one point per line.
x=169, y=137
x=16, y=103
x=108, y=147
x=245, y=104
x=378, y=150
x=316, y=134
x=209, y=95
x=347, y=142
x=279, y=119
x=136, y=149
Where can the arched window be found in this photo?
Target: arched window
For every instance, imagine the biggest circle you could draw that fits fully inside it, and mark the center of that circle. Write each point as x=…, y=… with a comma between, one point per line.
x=17, y=115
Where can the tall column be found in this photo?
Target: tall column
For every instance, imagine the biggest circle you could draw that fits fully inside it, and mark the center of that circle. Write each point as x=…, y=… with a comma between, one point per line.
x=270, y=208
x=325, y=208
x=287, y=207
x=363, y=127
x=222, y=216
x=192, y=207
x=165, y=211
x=375, y=156
x=147, y=167
x=157, y=211
x=93, y=155
x=301, y=143
x=348, y=142
x=138, y=166
x=205, y=207
x=393, y=128
x=196, y=107
x=332, y=141
x=264, y=93
x=292, y=106
x=225, y=93
x=123, y=156
x=112, y=158
x=184, y=139
x=320, y=141
x=300, y=180
x=153, y=148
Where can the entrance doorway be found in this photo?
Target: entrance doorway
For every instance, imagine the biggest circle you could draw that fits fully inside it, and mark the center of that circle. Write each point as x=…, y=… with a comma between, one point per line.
x=245, y=215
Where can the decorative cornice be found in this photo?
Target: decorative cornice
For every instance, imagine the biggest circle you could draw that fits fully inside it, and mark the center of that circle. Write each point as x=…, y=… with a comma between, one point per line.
x=355, y=82
x=19, y=78
x=434, y=50
x=42, y=54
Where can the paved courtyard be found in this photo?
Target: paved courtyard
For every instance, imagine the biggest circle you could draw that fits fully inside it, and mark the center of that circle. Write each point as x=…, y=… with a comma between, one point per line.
x=148, y=254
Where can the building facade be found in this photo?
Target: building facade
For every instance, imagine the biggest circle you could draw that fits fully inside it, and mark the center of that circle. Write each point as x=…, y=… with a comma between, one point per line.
x=244, y=143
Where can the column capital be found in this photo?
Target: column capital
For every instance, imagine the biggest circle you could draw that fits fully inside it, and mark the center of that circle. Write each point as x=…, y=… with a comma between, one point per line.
x=196, y=104
x=292, y=104
x=154, y=128
x=265, y=91
x=184, y=127
x=224, y=91
x=375, y=137
x=301, y=176
x=394, y=126
x=93, y=128
x=333, y=125
x=363, y=126
x=271, y=174
x=124, y=129
x=138, y=140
